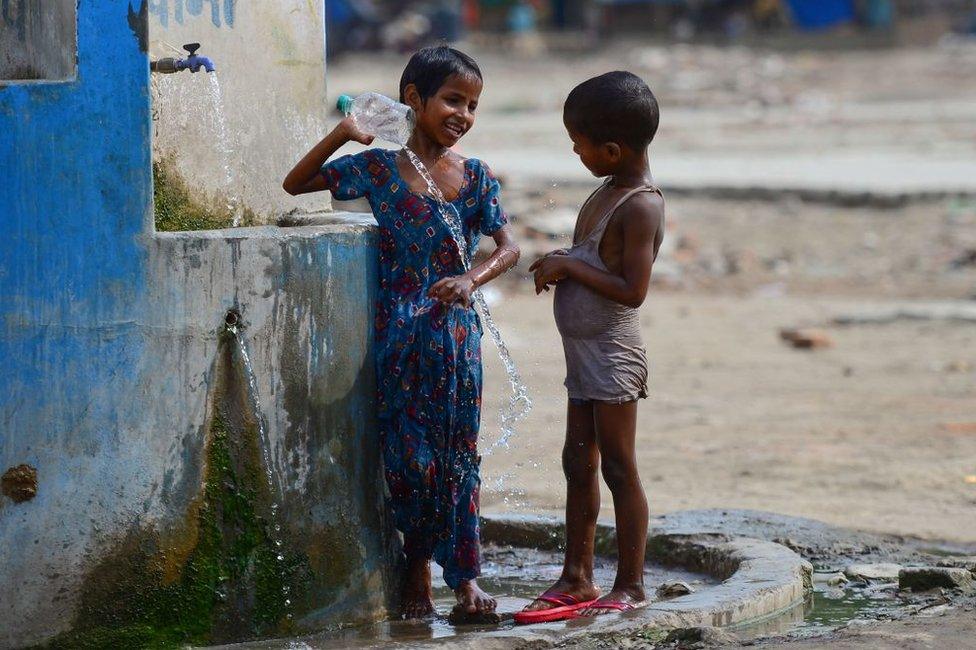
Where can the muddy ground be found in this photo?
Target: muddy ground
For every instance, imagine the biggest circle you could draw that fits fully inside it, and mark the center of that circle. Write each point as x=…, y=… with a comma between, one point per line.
x=875, y=432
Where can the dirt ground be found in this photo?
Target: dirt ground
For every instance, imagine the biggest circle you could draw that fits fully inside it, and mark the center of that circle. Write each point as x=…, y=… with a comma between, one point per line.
x=876, y=432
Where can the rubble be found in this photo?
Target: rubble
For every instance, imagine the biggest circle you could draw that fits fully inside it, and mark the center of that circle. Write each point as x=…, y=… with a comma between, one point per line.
x=806, y=339
x=926, y=578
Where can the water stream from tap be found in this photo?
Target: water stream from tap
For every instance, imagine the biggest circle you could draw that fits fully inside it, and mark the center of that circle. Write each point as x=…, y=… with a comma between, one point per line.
x=225, y=148
x=519, y=403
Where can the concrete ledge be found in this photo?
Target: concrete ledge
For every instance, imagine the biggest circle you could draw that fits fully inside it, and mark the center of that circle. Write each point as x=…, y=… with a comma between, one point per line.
x=760, y=580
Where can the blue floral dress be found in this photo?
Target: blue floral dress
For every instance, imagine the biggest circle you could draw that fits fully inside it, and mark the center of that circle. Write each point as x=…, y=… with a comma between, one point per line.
x=428, y=355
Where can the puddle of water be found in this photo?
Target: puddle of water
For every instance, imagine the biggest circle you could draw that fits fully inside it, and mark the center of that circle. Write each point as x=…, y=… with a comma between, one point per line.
x=513, y=575
x=828, y=609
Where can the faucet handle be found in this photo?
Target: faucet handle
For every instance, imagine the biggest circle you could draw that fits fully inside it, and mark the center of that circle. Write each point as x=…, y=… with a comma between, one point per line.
x=192, y=48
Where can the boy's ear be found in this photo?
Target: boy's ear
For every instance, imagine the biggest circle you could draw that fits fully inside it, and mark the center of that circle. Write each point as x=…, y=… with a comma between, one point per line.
x=411, y=97
x=613, y=150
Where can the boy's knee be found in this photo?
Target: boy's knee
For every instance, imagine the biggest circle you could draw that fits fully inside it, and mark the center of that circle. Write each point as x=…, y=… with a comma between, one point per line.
x=618, y=475
x=577, y=466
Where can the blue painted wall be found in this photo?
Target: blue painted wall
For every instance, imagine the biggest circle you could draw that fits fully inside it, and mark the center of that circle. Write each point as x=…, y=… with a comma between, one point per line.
x=108, y=336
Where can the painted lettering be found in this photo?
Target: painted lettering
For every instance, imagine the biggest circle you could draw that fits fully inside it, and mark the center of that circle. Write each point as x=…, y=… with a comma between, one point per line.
x=221, y=12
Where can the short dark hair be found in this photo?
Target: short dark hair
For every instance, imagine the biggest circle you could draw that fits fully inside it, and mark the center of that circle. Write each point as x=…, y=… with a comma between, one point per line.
x=613, y=107
x=430, y=67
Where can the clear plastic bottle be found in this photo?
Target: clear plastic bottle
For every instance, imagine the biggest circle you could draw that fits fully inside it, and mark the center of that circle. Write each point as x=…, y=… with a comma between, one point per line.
x=378, y=115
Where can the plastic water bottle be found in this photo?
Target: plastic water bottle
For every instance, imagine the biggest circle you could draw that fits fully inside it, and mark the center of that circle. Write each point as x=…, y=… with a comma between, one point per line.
x=378, y=115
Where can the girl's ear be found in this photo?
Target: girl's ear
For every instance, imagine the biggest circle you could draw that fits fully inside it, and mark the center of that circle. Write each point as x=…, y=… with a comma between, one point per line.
x=412, y=98
x=613, y=151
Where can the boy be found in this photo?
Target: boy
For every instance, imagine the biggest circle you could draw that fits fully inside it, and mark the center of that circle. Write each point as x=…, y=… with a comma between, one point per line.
x=600, y=282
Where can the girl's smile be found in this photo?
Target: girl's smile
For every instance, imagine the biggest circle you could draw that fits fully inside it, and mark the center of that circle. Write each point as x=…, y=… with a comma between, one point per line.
x=449, y=113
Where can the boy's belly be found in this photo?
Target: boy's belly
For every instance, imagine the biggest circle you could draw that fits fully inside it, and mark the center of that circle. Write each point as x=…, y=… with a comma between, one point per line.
x=581, y=313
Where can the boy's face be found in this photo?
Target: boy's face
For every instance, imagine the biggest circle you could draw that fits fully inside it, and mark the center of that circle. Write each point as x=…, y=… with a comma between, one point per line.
x=600, y=159
x=449, y=113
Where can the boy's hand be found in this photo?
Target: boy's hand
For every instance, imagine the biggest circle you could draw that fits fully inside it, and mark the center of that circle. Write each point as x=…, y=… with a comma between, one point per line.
x=454, y=289
x=350, y=130
x=549, y=270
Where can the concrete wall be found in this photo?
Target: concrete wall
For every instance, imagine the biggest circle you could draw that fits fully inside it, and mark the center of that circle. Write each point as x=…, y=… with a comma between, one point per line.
x=37, y=39
x=116, y=376
x=272, y=106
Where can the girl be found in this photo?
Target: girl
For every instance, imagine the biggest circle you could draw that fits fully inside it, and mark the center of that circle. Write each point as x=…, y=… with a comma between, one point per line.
x=428, y=352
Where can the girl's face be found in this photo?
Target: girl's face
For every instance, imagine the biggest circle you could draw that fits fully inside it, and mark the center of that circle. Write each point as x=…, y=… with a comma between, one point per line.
x=449, y=113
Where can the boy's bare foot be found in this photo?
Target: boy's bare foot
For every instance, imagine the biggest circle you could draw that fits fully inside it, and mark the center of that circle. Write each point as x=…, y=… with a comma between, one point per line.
x=582, y=591
x=618, y=600
x=473, y=600
x=416, y=599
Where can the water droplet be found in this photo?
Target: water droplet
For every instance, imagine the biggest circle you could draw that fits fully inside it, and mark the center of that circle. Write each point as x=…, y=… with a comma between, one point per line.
x=281, y=557
x=287, y=602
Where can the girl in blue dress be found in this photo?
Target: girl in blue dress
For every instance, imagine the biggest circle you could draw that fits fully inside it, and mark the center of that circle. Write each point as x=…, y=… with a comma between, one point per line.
x=428, y=348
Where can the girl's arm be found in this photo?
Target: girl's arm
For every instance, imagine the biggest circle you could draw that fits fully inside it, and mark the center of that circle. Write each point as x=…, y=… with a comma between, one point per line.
x=641, y=224
x=460, y=287
x=305, y=177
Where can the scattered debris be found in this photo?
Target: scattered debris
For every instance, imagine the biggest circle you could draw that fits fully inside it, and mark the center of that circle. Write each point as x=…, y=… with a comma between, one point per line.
x=806, y=339
x=958, y=366
x=959, y=427
x=692, y=638
x=967, y=258
x=674, y=589
x=926, y=578
x=20, y=483
x=963, y=311
x=886, y=571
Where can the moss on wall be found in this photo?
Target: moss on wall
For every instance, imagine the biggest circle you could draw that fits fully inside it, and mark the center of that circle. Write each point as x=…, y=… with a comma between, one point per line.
x=232, y=585
x=175, y=208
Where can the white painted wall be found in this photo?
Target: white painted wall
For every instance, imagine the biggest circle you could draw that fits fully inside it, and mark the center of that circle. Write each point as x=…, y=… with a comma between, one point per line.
x=270, y=59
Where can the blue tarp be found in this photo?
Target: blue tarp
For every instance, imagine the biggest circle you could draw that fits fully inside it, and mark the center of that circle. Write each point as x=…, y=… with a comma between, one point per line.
x=821, y=14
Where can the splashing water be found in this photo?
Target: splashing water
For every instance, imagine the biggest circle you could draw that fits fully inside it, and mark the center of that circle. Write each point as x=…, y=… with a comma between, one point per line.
x=519, y=403
x=277, y=492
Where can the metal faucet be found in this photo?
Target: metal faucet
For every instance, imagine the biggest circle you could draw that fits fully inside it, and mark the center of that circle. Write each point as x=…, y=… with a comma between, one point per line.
x=193, y=63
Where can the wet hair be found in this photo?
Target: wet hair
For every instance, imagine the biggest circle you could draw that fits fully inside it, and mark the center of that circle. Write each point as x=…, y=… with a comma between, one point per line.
x=613, y=107
x=429, y=68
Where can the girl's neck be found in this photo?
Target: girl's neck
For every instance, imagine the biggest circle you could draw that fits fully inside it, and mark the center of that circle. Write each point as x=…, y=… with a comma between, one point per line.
x=429, y=151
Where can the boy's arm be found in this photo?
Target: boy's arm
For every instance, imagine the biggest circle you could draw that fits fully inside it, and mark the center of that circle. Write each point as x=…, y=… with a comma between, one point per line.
x=641, y=219
x=304, y=176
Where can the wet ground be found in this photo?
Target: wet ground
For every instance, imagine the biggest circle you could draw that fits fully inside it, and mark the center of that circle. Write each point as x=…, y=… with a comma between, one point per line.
x=514, y=575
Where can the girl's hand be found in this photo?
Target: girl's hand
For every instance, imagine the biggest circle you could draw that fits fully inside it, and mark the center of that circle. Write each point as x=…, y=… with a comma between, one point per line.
x=549, y=270
x=350, y=131
x=454, y=289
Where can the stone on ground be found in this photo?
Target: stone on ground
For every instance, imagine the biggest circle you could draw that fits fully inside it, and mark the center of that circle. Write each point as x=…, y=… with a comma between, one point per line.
x=886, y=571
x=925, y=578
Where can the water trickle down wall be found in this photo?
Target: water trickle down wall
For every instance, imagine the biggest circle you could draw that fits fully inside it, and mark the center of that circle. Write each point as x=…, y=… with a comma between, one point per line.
x=152, y=517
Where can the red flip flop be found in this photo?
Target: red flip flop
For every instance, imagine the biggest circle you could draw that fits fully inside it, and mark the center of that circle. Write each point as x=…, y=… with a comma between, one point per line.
x=618, y=605
x=566, y=607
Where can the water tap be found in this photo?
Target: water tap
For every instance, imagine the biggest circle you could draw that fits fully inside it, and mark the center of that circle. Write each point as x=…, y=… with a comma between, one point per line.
x=193, y=63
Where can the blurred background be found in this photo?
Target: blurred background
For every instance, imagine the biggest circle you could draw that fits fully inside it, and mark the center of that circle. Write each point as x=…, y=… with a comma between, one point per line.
x=812, y=321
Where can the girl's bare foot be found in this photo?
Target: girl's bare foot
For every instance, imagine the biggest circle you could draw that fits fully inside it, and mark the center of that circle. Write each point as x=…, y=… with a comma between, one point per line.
x=618, y=600
x=581, y=590
x=473, y=600
x=416, y=599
